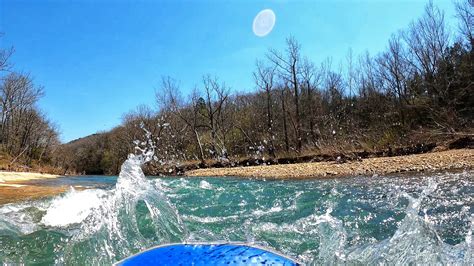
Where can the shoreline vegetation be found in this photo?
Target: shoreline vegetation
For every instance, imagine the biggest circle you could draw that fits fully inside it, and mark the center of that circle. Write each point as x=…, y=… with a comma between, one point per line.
x=455, y=154
x=413, y=97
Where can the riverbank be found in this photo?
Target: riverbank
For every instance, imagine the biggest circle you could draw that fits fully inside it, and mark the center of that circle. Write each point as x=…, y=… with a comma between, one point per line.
x=8, y=176
x=13, y=187
x=433, y=161
x=21, y=192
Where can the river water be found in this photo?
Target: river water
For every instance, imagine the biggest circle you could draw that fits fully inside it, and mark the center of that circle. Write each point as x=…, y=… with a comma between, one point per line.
x=422, y=218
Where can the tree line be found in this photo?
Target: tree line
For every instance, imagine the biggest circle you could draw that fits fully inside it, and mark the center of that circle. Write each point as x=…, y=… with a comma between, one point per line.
x=420, y=86
x=27, y=137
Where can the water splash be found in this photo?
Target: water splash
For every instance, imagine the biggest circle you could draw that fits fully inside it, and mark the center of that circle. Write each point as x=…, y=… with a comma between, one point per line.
x=205, y=185
x=72, y=208
x=115, y=228
x=103, y=226
x=414, y=242
x=383, y=220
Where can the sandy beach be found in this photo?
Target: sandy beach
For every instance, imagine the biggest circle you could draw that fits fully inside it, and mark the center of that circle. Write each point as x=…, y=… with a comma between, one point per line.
x=14, y=193
x=435, y=161
x=13, y=188
x=23, y=176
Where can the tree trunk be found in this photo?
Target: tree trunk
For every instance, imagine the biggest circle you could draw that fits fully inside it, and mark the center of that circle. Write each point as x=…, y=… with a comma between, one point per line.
x=285, y=128
x=297, y=108
x=311, y=114
x=271, y=150
x=201, y=152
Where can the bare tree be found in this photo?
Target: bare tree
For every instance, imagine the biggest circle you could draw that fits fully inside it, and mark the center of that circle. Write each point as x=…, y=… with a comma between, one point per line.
x=169, y=99
x=18, y=95
x=264, y=78
x=395, y=70
x=283, y=92
x=465, y=14
x=310, y=78
x=350, y=75
x=5, y=55
x=215, y=100
x=288, y=65
x=427, y=40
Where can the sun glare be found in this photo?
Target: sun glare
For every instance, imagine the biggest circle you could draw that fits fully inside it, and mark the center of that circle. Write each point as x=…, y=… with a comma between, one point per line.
x=264, y=22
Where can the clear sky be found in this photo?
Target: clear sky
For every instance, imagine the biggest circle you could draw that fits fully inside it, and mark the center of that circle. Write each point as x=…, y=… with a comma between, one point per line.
x=100, y=59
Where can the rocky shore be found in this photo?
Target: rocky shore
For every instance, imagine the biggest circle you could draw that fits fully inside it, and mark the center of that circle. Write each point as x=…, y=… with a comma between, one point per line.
x=433, y=161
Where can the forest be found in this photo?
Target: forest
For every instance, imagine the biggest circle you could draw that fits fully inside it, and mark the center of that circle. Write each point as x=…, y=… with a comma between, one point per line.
x=27, y=138
x=417, y=91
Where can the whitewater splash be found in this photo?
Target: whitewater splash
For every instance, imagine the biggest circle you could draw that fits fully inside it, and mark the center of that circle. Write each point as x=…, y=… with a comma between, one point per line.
x=110, y=228
x=107, y=225
x=416, y=240
x=356, y=221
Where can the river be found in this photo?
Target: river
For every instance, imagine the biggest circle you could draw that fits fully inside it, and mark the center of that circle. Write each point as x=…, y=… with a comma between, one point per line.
x=422, y=218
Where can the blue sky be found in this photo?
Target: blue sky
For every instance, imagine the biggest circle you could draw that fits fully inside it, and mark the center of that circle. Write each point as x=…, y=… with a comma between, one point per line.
x=100, y=59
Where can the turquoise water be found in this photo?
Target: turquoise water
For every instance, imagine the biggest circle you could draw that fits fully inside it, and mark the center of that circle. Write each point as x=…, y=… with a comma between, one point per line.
x=424, y=219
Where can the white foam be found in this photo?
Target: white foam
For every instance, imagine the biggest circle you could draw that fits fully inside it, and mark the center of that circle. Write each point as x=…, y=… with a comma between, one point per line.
x=205, y=185
x=273, y=209
x=72, y=208
x=209, y=219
